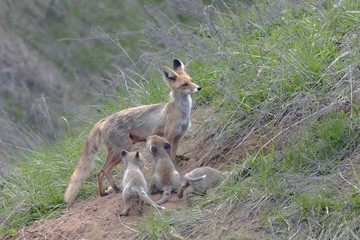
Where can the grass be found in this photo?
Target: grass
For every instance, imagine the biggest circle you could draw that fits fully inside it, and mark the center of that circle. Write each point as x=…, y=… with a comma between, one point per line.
x=285, y=78
x=292, y=195
x=34, y=188
x=65, y=51
x=283, y=74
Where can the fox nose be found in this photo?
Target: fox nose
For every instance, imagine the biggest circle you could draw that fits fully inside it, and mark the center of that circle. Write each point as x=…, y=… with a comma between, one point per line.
x=199, y=88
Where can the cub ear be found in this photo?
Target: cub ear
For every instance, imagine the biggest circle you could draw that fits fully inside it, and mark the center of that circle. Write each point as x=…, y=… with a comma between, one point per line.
x=169, y=75
x=137, y=155
x=167, y=145
x=124, y=153
x=178, y=64
x=153, y=150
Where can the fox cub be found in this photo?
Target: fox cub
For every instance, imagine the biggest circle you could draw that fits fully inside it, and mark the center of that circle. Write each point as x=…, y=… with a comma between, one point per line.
x=134, y=183
x=165, y=177
x=120, y=130
x=202, y=179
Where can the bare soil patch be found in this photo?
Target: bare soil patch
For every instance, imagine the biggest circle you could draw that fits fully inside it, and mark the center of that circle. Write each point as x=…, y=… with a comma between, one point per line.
x=94, y=218
x=97, y=218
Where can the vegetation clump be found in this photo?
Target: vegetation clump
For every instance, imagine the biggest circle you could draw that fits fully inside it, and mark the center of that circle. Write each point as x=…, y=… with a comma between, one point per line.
x=279, y=106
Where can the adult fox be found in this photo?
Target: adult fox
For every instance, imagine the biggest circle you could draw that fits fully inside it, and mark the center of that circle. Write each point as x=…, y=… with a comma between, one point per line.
x=120, y=130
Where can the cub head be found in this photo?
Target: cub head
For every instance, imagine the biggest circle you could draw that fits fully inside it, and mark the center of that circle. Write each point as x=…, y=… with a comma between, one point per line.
x=156, y=145
x=178, y=80
x=134, y=158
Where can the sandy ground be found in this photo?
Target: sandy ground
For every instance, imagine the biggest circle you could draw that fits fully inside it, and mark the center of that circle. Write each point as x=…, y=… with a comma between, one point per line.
x=94, y=218
x=97, y=217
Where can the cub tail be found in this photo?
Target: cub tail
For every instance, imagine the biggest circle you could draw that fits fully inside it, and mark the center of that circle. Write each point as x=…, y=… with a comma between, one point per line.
x=188, y=178
x=166, y=195
x=143, y=195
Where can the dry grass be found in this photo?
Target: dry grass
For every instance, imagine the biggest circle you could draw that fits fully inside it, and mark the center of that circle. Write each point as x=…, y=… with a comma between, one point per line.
x=279, y=100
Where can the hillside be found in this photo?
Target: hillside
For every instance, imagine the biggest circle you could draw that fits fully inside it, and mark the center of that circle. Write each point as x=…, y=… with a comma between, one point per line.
x=57, y=64
x=279, y=106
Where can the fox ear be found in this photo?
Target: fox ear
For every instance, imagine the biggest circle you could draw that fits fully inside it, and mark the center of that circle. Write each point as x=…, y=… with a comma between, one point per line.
x=137, y=155
x=167, y=145
x=123, y=153
x=169, y=75
x=153, y=150
x=178, y=64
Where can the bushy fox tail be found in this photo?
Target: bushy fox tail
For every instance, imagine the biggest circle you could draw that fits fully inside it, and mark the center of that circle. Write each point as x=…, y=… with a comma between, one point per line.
x=84, y=166
x=188, y=178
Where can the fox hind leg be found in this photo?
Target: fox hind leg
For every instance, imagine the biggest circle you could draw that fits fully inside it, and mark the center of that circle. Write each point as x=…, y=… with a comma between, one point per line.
x=110, y=162
x=112, y=159
x=99, y=177
x=116, y=159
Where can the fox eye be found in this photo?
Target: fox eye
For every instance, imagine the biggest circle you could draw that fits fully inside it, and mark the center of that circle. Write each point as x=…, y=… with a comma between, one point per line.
x=184, y=85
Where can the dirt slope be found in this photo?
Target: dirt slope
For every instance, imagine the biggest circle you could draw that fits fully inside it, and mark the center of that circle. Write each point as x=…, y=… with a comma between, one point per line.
x=97, y=218
x=94, y=218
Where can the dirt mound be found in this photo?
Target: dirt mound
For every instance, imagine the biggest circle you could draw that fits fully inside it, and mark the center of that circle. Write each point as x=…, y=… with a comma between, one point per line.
x=97, y=218
x=94, y=218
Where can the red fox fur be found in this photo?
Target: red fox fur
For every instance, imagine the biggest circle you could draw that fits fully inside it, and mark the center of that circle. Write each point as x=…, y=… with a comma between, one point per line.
x=120, y=130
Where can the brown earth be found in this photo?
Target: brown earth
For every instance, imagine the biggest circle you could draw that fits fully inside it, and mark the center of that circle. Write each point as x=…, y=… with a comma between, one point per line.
x=97, y=218
x=94, y=218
